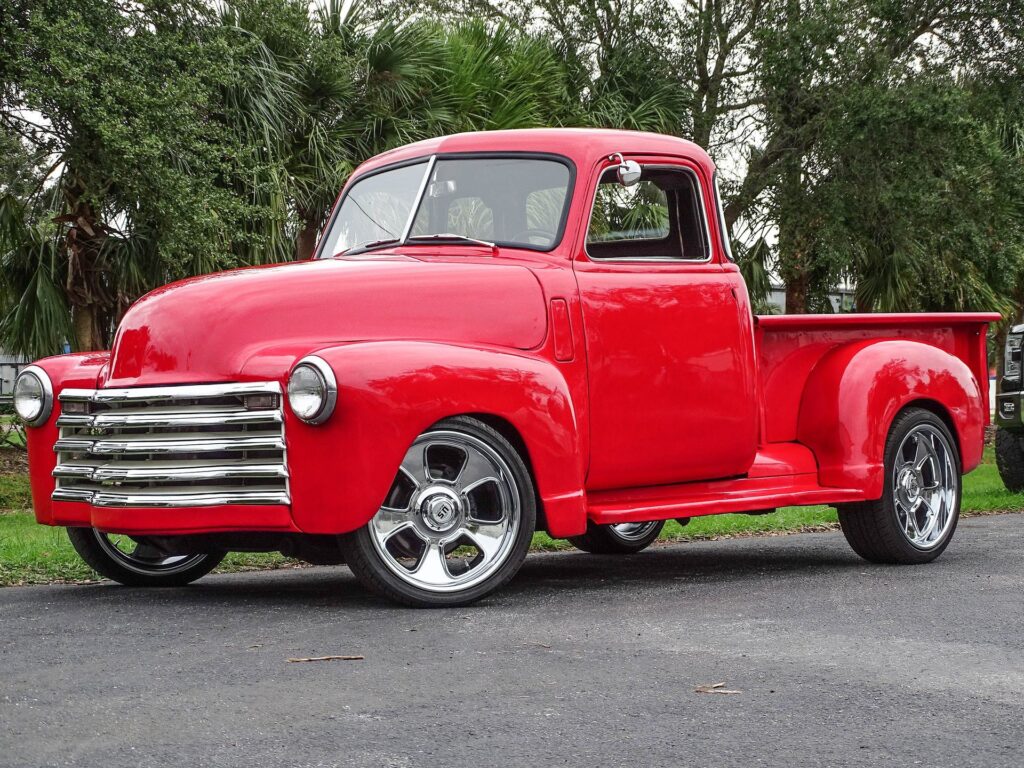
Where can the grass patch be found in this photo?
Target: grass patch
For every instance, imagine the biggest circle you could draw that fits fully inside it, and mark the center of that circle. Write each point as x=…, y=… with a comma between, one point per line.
x=33, y=554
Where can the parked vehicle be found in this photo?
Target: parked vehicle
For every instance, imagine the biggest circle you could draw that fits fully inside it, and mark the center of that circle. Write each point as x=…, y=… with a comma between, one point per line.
x=500, y=333
x=1009, y=419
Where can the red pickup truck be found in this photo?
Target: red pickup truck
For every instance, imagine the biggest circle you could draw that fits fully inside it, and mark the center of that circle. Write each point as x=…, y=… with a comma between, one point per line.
x=500, y=333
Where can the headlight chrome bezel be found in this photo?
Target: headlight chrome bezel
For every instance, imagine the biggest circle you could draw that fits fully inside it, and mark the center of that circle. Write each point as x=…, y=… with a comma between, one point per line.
x=328, y=384
x=46, y=400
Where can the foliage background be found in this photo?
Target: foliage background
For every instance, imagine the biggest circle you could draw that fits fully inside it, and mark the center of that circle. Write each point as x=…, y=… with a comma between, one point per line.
x=878, y=143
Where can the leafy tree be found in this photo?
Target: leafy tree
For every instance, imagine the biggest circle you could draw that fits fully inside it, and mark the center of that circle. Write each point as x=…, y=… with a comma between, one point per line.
x=145, y=158
x=822, y=66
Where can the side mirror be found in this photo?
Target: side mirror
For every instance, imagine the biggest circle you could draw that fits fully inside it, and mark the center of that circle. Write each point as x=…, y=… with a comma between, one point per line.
x=628, y=171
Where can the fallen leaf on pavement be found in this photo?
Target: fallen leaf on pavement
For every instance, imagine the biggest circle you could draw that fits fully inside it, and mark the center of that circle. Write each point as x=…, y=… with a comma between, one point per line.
x=329, y=658
x=714, y=688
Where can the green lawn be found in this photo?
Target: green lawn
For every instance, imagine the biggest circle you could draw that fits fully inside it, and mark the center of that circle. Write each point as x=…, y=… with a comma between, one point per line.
x=31, y=553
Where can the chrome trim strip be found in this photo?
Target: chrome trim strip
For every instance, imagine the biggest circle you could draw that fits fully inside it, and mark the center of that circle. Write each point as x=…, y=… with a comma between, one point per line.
x=192, y=497
x=185, y=392
x=185, y=443
x=151, y=471
x=418, y=201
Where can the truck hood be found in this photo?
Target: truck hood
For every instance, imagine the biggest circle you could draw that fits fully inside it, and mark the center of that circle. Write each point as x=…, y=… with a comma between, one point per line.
x=254, y=323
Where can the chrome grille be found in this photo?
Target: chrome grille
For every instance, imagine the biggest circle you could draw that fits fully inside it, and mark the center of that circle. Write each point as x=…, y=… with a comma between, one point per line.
x=180, y=446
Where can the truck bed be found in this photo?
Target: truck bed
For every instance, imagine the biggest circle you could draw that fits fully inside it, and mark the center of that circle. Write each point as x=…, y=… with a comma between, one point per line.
x=788, y=348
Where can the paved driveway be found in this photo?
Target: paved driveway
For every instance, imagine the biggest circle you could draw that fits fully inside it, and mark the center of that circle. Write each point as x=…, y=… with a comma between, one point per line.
x=584, y=660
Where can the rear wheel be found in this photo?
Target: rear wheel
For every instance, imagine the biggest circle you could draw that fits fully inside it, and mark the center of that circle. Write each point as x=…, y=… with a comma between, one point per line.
x=619, y=538
x=915, y=519
x=456, y=524
x=135, y=562
x=1010, y=459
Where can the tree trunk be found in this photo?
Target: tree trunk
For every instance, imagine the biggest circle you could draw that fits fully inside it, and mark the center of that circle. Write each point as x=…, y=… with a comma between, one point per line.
x=88, y=335
x=306, y=241
x=796, y=295
x=89, y=284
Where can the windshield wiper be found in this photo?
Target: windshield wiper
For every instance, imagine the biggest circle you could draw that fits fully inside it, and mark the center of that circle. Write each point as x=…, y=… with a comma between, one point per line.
x=373, y=244
x=451, y=236
x=363, y=247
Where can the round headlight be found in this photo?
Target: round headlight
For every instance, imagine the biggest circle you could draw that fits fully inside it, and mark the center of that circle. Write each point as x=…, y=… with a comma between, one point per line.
x=312, y=390
x=33, y=396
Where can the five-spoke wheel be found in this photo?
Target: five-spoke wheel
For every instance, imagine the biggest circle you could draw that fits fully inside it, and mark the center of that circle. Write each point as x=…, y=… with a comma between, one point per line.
x=917, y=514
x=135, y=562
x=456, y=523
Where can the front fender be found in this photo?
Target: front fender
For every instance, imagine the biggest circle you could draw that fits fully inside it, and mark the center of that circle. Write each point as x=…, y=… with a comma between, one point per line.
x=81, y=369
x=854, y=393
x=390, y=392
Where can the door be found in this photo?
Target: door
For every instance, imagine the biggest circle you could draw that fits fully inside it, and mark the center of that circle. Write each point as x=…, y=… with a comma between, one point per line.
x=668, y=337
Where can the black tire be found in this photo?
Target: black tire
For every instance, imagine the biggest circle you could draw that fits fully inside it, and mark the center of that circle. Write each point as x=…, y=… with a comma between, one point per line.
x=613, y=539
x=873, y=528
x=367, y=563
x=1010, y=459
x=99, y=552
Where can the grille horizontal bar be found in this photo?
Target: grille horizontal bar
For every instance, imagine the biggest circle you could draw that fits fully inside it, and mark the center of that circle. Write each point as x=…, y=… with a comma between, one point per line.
x=185, y=446
x=196, y=417
x=183, y=443
x=170, y=471
x=192, y=497
x=165, y=394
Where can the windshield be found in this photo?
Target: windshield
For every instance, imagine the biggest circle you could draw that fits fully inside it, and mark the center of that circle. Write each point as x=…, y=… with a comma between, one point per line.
x=514, y=201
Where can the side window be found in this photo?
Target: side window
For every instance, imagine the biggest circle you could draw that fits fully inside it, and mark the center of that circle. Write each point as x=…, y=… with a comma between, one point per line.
x=622, y=213
x=660, y=217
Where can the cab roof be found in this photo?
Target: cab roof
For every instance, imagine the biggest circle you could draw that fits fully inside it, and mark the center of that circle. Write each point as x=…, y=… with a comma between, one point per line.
x=584, y=146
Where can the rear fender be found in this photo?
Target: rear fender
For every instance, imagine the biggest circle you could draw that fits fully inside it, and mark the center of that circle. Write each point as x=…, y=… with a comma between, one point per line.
x=390, y=392
x=854, y=393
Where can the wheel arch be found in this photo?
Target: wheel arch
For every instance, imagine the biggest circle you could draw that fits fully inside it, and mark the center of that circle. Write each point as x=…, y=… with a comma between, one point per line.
x=855, y=392
x=942, y=413
x=508, y=430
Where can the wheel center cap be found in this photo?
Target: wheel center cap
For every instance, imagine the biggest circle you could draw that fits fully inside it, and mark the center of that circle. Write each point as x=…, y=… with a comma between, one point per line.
x=910, y=484
x=440, y=509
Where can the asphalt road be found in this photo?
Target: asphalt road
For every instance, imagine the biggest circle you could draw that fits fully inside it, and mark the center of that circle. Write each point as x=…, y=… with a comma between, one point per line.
x=584, y=661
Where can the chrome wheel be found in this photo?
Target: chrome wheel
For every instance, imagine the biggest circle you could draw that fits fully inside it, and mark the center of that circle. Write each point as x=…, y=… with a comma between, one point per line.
x=142, y=558
x=925, y=486
x=634, y=531
x=452, y=516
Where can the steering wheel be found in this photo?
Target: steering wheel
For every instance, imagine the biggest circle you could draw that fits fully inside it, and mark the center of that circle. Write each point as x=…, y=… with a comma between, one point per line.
x=525, y=235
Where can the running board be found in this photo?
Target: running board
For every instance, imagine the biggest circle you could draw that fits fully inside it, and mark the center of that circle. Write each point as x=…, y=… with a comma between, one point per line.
x=744, y=494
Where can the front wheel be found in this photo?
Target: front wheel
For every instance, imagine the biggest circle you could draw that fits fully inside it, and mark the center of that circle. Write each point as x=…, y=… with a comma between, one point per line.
x=915, y=519
x=136, y=562
x=456, y=524
x=618, y=538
